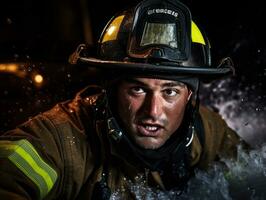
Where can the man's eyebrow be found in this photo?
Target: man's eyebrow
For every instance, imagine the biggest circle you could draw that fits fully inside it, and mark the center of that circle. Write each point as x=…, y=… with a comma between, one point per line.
x=134, y=81
x=174, y=84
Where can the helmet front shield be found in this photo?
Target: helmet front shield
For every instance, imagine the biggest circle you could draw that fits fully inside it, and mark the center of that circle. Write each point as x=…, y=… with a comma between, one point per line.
x=161, y=29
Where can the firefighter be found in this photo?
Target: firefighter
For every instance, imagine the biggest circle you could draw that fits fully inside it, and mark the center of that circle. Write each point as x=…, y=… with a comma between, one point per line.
x=143, y=119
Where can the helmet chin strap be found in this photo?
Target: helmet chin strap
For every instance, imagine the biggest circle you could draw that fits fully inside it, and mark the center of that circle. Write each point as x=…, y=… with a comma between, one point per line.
x=192, y=130
x=114, y=130
x=194, y=115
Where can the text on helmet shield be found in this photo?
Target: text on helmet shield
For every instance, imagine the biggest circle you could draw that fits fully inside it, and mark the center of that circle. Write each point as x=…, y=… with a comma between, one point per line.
x=162, y=10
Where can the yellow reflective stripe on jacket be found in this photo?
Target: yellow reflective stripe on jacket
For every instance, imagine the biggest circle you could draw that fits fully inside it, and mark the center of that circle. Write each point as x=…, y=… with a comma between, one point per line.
x=26, y=158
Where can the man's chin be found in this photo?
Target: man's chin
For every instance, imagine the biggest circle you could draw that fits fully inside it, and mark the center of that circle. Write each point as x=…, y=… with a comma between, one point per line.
x=149, y=143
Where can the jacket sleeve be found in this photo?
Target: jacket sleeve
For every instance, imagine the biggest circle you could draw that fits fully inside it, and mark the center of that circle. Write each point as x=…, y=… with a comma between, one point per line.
x=30, y=161
x=220, y=140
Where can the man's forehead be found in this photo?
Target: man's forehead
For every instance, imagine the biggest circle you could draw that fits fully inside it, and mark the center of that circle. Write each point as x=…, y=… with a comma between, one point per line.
x=147, y=81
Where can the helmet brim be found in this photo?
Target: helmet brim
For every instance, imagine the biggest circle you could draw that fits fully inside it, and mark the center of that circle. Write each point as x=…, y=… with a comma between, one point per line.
x=201, y=72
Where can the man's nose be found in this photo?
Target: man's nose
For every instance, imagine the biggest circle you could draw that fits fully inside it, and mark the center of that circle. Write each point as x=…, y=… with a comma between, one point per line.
x=153, y=105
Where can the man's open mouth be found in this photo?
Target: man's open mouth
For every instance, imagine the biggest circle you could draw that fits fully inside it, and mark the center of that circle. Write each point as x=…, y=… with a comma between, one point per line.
x=149, y=130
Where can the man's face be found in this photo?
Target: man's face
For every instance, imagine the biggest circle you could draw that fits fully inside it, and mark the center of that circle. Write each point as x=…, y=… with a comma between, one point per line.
x=151, y=110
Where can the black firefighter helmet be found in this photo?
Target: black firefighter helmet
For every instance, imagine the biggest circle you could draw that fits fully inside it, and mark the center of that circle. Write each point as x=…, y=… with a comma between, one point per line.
x=157, y=38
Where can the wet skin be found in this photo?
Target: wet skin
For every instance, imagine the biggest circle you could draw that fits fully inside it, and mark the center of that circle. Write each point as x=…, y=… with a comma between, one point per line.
x=151, y=110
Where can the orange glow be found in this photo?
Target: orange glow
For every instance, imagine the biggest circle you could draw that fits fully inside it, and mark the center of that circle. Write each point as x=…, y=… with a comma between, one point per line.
x=8, y=67
x=38, y=78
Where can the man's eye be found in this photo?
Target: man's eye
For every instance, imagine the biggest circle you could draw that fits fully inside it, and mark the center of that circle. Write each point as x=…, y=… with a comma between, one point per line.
x=137, y=90
x=170, y=92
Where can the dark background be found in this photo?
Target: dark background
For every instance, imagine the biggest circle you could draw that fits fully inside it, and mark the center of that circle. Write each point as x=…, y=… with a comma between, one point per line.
x=39, y=36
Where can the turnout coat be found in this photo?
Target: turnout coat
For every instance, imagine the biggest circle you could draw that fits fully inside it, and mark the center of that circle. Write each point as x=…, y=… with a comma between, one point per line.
x=64, y=153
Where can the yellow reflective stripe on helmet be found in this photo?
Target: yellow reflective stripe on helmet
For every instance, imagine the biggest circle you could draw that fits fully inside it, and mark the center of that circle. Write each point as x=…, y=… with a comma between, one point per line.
x=196, y=35
x=112, y=30
x=26, y=158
